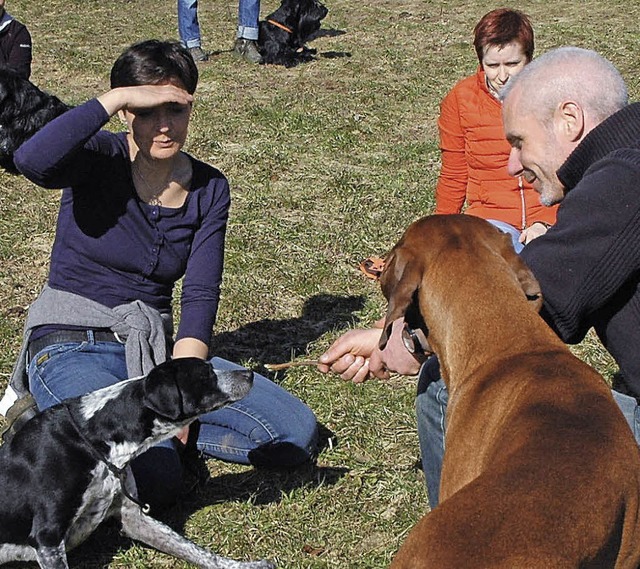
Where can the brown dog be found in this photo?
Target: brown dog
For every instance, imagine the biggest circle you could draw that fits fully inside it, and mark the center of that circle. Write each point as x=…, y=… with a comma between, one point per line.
x=540, y=470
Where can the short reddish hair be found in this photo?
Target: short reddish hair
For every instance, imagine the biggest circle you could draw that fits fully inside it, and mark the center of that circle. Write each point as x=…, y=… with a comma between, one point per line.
x=502, y=26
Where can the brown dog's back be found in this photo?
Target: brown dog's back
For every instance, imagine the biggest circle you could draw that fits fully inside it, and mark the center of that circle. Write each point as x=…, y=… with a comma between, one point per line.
x=541, y=469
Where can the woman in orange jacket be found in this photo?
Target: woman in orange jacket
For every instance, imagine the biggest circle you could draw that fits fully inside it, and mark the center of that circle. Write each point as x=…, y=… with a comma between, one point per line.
x=474, y=149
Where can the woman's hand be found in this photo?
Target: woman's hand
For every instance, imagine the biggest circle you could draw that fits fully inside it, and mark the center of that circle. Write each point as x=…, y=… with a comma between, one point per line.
x=143, y=97
x=532, y=232
x=189, y=348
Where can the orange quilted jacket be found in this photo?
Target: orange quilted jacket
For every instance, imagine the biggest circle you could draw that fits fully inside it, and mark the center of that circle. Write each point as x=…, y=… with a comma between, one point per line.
x=474, y=161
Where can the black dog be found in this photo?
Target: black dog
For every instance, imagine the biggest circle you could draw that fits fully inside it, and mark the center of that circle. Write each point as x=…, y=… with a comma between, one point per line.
x=284, y=33
x=24, y=109
x=66, y=470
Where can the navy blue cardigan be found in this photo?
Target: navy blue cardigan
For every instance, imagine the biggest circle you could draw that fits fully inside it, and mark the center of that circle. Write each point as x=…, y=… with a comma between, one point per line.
x=110, y=246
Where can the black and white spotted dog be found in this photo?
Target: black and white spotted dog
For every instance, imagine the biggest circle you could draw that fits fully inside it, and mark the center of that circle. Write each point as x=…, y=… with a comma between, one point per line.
x=24, y=109
x=66, y=470
x=283, y=33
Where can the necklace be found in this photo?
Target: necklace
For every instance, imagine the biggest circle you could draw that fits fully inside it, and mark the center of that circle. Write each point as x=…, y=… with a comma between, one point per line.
x=154, y=196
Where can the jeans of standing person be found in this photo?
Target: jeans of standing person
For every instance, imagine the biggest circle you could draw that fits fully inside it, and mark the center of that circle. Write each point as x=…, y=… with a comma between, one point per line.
x=248, y=14
x=431, y=410
x=188, y=25
x=269, y=427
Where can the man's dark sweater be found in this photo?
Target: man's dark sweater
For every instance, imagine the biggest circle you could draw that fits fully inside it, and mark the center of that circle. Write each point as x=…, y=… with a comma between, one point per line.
x=588, y=264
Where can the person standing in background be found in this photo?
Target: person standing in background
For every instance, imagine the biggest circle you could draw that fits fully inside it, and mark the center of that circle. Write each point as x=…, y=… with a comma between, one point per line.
x=245, y=46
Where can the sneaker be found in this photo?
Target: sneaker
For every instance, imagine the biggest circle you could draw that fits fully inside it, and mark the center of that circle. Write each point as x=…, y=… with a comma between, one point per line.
x=247, y=50
x=198, y=54
x=18, y=414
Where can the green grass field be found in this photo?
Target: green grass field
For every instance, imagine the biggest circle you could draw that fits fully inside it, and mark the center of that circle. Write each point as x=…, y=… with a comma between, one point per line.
x=328, y=163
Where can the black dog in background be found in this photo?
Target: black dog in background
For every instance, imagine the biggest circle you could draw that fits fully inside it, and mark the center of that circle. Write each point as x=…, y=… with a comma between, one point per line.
x=24, y=109
x=284, y=32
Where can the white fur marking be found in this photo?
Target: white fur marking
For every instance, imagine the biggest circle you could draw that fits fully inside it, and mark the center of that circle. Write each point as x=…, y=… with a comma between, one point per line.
x=92, y=402
x=122, y=453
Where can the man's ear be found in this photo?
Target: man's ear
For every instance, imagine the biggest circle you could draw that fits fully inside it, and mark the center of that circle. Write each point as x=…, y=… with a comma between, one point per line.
x=571, y=121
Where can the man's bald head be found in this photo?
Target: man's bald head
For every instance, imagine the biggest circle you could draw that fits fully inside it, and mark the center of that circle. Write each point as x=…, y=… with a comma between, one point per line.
x=569, y=74
x=550, y=107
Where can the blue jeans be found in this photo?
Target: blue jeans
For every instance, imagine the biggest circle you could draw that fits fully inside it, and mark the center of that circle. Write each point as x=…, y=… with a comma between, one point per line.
x=269, y=427
x=431, y=409
x=248, y=14
x=189, y=27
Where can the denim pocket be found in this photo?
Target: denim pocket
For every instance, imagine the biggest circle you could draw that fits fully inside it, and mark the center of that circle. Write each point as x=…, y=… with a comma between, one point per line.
x=43, y=378
x=70, y=369
x=49, y=355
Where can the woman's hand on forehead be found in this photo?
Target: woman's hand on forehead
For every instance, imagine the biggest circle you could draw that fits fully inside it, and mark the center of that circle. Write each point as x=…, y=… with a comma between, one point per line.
x=143, y=97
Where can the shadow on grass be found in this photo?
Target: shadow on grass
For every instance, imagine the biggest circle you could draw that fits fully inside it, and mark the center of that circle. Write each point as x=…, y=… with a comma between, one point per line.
x=278, y=341
x=321, y=33
x=257, y=486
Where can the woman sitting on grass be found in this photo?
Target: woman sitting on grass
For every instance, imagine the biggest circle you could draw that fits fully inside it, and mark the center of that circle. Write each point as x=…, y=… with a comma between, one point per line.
x=136, y=215
x=472, y=141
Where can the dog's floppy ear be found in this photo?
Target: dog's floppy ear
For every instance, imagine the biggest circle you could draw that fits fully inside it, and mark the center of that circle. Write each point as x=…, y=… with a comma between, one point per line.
x=528, y=282
x=161, y=391
x=529, y=285
x=399, y=281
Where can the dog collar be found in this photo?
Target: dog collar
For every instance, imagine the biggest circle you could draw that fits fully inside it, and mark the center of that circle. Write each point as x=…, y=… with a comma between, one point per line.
x=415, y=340
x=281, y=26
x=119, y=473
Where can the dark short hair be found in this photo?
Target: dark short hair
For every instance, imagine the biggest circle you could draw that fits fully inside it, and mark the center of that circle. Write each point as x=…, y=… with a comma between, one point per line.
x=152, y=62
x=502, y=26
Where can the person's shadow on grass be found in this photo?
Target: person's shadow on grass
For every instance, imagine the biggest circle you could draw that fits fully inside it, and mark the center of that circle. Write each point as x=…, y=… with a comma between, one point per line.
x=278, y=341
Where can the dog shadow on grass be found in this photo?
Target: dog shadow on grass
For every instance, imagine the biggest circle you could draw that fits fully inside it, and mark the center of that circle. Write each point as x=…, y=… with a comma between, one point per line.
x=330, y=33
x=256, y=486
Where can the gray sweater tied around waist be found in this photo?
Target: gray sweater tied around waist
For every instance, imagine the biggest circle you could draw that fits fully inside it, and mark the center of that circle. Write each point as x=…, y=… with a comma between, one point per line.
x=143, y=329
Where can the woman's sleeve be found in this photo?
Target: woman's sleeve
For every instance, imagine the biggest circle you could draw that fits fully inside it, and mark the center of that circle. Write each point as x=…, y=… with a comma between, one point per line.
x=59, y=154
x=203, y=276
x=451, y=189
